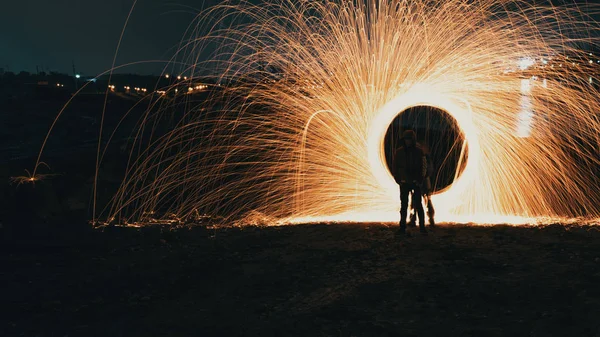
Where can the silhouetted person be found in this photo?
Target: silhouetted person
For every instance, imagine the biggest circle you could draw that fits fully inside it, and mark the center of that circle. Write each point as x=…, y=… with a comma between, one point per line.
x=410, y=169
x=426, y=190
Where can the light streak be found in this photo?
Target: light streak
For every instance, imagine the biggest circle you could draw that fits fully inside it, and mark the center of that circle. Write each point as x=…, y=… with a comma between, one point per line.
x=301, y=142
x=31, y=178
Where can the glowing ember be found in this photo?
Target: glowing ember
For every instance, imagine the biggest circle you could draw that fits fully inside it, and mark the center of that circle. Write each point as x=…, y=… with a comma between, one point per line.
x=31, y=178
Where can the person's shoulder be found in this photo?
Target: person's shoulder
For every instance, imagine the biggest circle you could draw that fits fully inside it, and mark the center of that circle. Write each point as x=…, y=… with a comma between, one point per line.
x=424, y=148
x=420, y=149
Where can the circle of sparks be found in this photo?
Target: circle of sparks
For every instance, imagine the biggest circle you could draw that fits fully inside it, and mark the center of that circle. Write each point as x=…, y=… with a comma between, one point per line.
x=309, y=87
x=424, y=95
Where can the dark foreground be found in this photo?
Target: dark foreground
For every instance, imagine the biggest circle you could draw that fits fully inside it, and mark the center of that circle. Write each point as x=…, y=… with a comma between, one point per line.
x=309, y=280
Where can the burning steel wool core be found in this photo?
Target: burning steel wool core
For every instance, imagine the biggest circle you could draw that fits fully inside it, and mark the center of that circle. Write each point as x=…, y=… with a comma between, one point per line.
x=309, y=88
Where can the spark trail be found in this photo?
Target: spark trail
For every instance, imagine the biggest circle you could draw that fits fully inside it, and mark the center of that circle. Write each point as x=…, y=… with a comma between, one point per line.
x=312, y=86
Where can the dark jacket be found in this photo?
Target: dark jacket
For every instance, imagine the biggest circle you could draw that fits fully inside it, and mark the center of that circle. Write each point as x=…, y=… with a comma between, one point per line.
x=410, y=164
x=429, y=165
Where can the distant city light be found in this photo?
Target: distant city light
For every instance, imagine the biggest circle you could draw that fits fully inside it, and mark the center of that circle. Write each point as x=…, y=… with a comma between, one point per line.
x=525, y=63
x=167, y=76
x=178, y=77
x=77, y=76
x=526, y=114
x=525, y=86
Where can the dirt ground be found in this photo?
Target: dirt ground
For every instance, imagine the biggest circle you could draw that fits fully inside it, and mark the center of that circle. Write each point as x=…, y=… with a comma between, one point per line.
x=305, y=280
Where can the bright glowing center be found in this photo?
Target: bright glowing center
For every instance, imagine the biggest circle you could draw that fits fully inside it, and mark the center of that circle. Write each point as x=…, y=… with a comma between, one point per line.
x=448, y=202
x=422, y=94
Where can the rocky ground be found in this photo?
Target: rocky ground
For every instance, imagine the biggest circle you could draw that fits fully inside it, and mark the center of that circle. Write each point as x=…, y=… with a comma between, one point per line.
x=305, y=280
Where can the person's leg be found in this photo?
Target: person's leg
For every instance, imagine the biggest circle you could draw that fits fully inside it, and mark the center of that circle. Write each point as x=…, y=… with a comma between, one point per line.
x=430, y=212
x=413, y=211
x=427, y=198
x=404, y=189
x=419, y=207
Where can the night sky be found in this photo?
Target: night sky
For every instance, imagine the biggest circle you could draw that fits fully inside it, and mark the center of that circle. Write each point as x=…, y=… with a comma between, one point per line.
x=56, y=33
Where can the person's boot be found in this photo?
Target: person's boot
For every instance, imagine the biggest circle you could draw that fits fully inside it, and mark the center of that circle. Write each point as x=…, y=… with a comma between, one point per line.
x=402, y=231
x=413, y=220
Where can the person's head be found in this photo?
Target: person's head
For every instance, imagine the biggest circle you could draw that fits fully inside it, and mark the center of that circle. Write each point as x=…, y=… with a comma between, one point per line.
x=409, y=137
